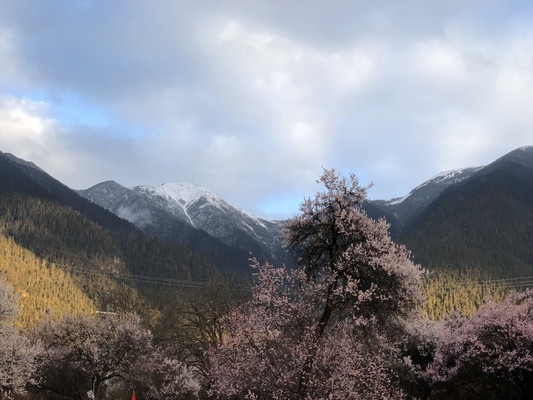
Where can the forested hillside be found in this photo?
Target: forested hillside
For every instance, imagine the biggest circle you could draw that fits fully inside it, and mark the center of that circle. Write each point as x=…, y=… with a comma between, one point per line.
x=470, y=220
x=43, y=288
x=355, y=319
x=447, y=292
x=485, y=223
x=101, y=259
x=19, y=176
x=66, y=237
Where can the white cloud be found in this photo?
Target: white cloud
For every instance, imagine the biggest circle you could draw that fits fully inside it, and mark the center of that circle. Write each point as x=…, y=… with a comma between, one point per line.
x=10, y=63
x=458, y=140
x=25, y=128
x=28, y=132
x=513, y=76
x=253, y=98
x=440, y=61
x=286, y=89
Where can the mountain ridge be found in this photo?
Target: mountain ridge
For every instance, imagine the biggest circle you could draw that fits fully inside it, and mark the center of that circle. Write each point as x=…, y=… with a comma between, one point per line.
x=198, y=207
x=485, y=221
x=192, y=215
x=37, y=208
x=405, y=209
x=195, y=217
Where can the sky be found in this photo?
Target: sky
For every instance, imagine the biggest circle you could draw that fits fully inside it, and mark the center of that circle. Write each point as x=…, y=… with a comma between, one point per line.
x=252, y=99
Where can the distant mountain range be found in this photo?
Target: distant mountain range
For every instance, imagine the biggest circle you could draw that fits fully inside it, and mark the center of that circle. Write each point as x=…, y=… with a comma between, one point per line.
x=480, y=217
x=129, y=248
x=452, y=220
x=469, y=217
x=193, y=216
x=54, y=222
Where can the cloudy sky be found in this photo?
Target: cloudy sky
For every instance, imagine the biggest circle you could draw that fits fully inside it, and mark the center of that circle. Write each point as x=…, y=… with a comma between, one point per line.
x=252, y=98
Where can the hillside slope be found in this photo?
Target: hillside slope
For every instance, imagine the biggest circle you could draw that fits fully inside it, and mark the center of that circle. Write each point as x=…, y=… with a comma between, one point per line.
x=107, y=257
x=43, y=288
x=485, y=221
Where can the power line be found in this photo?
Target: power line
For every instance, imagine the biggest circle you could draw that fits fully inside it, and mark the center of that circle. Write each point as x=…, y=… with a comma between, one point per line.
x=512, y=279
x=137, y=278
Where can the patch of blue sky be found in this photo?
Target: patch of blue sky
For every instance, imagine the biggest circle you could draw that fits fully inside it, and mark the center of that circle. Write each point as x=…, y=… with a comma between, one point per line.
x=66, y=108
x=510, y=8
x=71, y=110
x=281, y=207
x=36, y=96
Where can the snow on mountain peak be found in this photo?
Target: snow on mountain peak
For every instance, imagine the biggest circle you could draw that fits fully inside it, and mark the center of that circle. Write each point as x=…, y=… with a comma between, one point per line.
x=526, y=148
x=451, y=176
x=397, y=200
x=447, y=175
x=182, y=193
x=179, y=197
x=185, y=193
x=443, y=179
x=185, y=196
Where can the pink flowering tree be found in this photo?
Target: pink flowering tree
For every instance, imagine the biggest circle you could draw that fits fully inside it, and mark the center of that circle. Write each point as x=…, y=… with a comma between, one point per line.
x=489, y=355
x=156, y=377
x=84, y=355
x=270, y=338
x=17, y=352
x=325, y=329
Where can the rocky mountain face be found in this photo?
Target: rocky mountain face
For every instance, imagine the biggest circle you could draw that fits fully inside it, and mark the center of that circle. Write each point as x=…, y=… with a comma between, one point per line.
x=210, y=213
x=192, y=215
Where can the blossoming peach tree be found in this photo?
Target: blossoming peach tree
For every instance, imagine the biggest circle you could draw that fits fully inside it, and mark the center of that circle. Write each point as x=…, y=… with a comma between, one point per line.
x=489, y=355
x=85, y=354
x=18, y=353
x=325, y=329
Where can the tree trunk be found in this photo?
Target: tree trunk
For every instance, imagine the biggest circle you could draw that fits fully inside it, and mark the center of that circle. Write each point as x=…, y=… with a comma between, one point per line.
x=303, y=384
x=95, y=386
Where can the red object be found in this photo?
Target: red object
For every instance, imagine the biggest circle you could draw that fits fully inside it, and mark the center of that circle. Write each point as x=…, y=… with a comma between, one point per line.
x=133, y=397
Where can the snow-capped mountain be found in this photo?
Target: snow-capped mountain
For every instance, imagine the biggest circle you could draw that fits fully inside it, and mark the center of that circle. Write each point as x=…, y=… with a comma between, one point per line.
x=486, y=220
x=169, y=210
x=405, y=208
x=402, y=211
x=204, y=210
x=192, y=215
